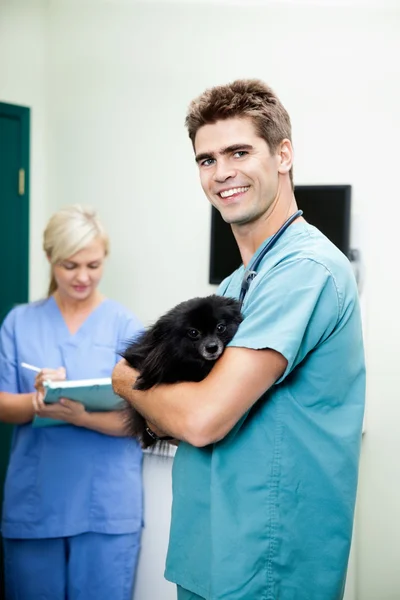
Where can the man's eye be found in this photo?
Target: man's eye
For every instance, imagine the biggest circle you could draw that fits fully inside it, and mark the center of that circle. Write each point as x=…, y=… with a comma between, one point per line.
x=194, y=334
x=240, y=153
x=221, y=328
x=207, y=162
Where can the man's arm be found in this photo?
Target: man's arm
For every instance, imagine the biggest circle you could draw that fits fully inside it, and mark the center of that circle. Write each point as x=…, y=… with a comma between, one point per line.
x=203, y=413
x=16, y=409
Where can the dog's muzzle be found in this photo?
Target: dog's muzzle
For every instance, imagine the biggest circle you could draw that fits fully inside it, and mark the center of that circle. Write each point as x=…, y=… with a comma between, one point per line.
x=211, y=348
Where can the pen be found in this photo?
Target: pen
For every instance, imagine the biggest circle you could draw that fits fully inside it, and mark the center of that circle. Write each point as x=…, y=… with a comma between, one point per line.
x=31, y=367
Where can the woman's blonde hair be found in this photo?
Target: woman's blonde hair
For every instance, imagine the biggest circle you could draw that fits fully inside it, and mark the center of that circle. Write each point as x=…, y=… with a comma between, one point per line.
x=68, y=231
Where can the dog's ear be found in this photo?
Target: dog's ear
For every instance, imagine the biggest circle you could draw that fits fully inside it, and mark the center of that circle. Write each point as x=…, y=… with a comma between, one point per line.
x=154, y=367
x=157, y=357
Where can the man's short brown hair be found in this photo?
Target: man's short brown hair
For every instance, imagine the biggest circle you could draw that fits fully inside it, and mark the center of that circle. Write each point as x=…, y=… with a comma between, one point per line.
x=242, y=98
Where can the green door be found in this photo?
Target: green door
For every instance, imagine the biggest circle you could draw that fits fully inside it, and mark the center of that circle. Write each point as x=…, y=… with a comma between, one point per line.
x=14, y=234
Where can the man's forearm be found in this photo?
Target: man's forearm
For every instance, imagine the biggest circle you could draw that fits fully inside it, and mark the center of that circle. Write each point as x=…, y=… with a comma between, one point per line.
x=199, y=413
x=204, y=412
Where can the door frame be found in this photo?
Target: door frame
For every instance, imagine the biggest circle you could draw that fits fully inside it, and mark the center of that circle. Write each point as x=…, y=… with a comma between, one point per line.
x=22, y=113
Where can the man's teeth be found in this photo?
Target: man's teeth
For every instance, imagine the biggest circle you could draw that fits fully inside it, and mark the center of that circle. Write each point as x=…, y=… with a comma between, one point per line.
x=233, y=191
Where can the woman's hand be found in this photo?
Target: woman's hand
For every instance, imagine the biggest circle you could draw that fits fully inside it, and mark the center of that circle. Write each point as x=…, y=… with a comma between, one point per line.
x=49, y=375
x=66, y=410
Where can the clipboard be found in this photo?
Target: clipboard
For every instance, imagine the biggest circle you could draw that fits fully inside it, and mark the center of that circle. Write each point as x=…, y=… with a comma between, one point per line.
x=94, y=394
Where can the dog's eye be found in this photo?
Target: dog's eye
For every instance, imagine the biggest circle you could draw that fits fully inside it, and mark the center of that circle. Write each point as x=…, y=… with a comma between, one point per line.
x=221, y=328
x=194, y=334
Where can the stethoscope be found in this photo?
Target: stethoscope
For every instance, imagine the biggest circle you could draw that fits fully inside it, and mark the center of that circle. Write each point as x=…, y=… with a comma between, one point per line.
x=251, y=272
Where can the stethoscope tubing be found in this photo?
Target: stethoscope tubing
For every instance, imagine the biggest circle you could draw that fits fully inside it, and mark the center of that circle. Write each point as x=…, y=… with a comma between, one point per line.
x=251, y=272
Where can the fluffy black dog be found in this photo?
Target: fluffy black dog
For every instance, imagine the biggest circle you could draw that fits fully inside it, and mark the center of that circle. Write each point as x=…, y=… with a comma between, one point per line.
x=182, y=345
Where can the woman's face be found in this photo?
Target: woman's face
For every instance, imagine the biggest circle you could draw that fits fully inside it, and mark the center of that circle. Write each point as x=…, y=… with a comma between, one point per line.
x=78, y=276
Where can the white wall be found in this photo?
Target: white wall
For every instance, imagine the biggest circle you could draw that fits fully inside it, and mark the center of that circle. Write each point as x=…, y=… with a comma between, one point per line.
x=119, y=77
x=120, y=80
x=23, y=80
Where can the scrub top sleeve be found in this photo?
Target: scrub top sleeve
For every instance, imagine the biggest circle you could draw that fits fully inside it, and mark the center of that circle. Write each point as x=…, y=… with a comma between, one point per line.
x=291, y=309
x=129, y=331
x=8, y=356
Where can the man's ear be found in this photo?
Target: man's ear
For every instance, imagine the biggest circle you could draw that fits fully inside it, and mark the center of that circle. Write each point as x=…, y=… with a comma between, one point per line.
x=285, y=154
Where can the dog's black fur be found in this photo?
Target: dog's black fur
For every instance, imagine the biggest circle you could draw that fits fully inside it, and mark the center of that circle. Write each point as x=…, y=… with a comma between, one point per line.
x=183, y=345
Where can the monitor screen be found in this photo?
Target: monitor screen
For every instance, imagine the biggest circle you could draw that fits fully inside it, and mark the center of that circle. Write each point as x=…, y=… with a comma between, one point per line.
x=325, y=206
x=328, y=208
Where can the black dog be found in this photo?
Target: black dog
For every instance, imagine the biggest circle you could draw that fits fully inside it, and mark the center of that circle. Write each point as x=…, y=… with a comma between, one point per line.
x=182, y=345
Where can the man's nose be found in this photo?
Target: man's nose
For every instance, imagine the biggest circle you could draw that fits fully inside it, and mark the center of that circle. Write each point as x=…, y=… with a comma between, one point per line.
x=223, y=171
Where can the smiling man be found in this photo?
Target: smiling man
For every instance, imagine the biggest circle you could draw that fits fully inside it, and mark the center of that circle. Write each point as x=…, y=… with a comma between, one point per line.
x=265, y=476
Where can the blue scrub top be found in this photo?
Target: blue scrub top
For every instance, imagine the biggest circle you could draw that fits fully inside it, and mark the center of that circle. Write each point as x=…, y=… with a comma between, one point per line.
x=268, y=511
x=66, y=480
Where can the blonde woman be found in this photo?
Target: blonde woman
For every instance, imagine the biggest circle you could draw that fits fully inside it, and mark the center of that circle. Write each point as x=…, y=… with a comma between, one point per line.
x=72, y=513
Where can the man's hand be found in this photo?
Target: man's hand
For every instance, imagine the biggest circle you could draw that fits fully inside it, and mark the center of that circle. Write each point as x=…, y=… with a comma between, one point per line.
x=123, y=378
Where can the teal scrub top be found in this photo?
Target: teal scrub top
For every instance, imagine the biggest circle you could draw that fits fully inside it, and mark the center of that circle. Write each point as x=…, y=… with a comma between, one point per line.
x=267, y=513
x=65, y=480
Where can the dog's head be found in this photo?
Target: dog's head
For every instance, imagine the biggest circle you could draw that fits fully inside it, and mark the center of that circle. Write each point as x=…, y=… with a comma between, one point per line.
x=204, y=326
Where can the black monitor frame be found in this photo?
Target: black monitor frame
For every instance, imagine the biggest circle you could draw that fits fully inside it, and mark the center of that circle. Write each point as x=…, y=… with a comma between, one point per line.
x=217, y=222
x=345, y=193
x=215, y=278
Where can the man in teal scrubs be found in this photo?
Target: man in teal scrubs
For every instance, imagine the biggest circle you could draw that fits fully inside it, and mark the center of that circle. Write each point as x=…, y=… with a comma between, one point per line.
x=265, y=476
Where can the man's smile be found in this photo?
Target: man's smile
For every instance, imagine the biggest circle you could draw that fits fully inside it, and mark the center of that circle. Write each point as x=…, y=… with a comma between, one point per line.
x=228, y=193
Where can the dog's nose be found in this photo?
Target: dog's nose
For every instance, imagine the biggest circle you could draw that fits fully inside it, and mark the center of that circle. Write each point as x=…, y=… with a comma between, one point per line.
x=212, y=348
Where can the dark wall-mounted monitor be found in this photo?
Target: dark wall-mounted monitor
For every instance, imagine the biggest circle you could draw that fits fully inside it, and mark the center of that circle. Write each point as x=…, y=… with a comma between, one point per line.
x=328, y=207
x=224, y=253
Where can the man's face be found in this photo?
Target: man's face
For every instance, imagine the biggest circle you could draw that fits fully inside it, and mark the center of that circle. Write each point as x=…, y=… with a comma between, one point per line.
x=238, y=173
